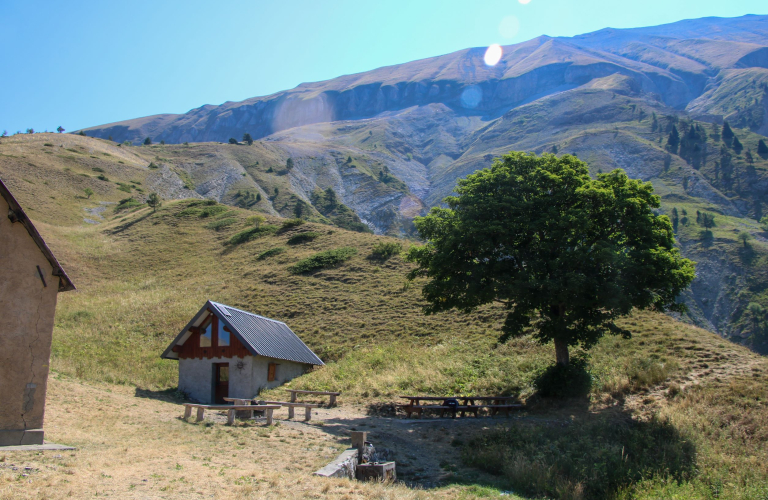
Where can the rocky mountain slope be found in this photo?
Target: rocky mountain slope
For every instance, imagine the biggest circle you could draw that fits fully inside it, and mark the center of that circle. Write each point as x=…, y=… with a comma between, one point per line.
x=390, y=143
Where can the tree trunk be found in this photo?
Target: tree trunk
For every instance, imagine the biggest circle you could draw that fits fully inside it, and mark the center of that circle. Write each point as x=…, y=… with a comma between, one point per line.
x=561, y=352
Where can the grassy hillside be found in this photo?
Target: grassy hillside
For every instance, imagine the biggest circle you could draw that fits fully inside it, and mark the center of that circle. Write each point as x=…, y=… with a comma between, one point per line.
x=676, y=410
x=647, y=418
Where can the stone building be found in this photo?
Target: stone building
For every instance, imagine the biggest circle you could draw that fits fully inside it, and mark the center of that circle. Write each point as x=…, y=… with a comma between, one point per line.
x=30, y=279
x=226, y=352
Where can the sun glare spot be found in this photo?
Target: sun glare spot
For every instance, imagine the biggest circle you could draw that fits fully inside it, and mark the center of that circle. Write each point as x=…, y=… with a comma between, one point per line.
x=493, y=55
x=524, y=2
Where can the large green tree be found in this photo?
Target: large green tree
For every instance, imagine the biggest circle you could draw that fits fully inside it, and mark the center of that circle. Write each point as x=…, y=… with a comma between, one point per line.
x=564, y=253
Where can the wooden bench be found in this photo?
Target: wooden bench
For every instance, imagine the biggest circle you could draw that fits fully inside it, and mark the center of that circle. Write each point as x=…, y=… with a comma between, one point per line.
x=291, y=406
x=230, y=409
x=333, y=395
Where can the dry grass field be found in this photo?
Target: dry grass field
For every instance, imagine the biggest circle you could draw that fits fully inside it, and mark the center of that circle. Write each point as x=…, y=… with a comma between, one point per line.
x=133, y=444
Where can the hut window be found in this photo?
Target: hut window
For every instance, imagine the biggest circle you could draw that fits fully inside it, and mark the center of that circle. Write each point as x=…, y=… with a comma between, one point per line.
x=223, y=336
x=205, y=335
x=271, y=372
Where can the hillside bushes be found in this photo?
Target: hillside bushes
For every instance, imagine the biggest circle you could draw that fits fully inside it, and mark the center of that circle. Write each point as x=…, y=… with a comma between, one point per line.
x=251, y=234
x=303, y=237
x=321, y=260
x=385, y=250
x=270, y=253
x=221, y=223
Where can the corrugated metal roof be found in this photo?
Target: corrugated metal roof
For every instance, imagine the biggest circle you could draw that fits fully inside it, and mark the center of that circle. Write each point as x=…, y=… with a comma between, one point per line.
x=262, y=336
x=266, y=336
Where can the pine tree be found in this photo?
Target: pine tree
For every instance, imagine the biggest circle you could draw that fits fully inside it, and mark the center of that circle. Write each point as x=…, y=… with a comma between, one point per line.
x=248, y=139
x=675, y=219
x=289, y=164
x=737, y=145
x=147, y=141
x=762, y=149
x=727, y=132
x=154, y=201
x=673, y=140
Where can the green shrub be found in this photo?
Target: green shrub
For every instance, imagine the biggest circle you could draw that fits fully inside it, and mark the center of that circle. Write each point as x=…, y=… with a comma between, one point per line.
x=270, y=253
x=385, y=250
x=303, y=237
x=189, y=212
x=208, y=211
x=48, y=144
x=152, y=165
x=206, y=202
x=221, y=223
x=127, y=203
x=290, y=224
x=559, y=381
x=103, y=177
x=252, y=234
x=97, y=169
x=124, y=187
x=322, y=260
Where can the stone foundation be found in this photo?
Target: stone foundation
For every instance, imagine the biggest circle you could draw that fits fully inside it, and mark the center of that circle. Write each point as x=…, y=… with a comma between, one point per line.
x=21, y=437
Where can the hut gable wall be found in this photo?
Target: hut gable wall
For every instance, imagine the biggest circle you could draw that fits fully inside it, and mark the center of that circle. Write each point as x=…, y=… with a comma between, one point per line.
x=26, y=328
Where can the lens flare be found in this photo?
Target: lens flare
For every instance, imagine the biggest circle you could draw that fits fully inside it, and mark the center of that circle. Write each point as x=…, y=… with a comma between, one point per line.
x=493, y=55
x=471, y=96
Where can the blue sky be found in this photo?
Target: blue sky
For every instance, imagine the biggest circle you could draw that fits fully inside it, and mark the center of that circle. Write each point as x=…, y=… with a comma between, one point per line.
x=85, y=63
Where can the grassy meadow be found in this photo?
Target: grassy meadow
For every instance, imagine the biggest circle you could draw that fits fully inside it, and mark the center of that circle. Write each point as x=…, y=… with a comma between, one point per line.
x=142, y=275
x=674, y=412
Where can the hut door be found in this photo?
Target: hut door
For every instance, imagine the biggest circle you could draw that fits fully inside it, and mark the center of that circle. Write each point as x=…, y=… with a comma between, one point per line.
x=220, y=382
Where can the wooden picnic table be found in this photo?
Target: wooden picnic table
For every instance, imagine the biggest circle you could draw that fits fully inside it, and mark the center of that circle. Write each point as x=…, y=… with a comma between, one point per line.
x=333, y=395
x=466, y=403
x=465, y=400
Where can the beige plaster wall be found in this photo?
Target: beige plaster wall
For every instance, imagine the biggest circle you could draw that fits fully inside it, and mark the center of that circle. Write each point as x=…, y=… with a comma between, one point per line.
x=26, y=326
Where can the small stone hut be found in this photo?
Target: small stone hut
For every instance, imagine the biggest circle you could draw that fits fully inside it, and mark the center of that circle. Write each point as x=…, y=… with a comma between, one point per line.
x=30, y=279
x=225, y=352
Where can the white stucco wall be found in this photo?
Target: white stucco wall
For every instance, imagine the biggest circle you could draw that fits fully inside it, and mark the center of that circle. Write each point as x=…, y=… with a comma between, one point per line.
x=196, y=376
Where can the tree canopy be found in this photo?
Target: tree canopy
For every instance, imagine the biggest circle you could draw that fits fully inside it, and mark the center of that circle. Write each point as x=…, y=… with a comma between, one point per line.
x=147, y=141
x=563, y=253
x=154, y=201
x=247, y=139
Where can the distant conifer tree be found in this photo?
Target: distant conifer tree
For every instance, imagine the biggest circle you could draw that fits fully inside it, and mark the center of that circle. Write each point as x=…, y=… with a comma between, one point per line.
x=248, y=139
x=154, y=201
x=727, y=132
x=673, y=140
x=60, y=129
x=147, y=141
x=762, y=149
